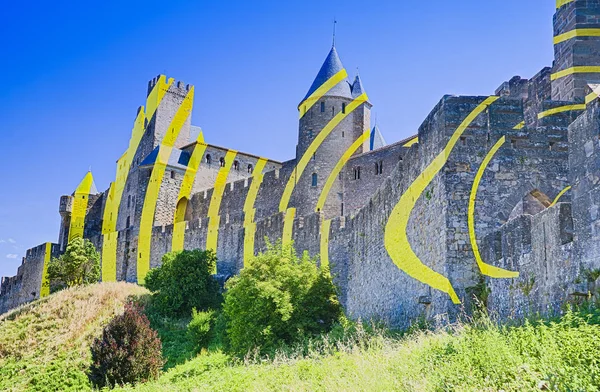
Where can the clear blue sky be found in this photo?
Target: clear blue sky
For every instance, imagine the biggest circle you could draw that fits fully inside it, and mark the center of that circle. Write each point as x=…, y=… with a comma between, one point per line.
x=74, y=74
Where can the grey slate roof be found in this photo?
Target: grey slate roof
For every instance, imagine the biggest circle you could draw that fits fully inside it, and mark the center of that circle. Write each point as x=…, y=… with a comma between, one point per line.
x=357, y=87
x=377, y=140
x=177, y=159
x=330, y=67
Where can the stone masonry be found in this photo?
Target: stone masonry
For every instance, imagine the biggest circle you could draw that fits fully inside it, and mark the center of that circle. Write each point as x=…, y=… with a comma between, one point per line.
x=536, y=209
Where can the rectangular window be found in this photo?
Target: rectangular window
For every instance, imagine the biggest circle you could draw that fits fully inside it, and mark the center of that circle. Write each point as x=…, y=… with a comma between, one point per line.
x=344, y=108
x=322, y=107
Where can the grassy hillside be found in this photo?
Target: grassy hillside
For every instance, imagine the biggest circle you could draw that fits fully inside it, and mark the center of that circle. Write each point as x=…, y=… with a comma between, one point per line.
x=45, y=346
x=558, y=356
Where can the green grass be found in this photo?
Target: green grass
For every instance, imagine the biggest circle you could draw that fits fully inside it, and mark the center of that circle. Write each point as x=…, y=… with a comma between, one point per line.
x=45, y=346
x=563, y=355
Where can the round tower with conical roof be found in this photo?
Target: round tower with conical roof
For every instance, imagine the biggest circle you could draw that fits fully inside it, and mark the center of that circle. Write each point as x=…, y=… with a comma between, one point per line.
x=334, y=114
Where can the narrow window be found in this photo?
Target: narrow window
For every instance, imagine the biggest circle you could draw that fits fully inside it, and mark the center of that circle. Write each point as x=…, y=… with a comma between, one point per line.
x=250, y=168
x=128, y=201
x=236, y=165
x=342, y=212
x=314, y=179
x=322, y=107
x=333, y=110
x=343, y=108
x=222, y=161
x=127, y=222
x=357, y=173
x=463, y=140
x=315, y=156
x=513, y=143
x=342, y=133
x=208, y=159
x=551, y=145
x=380, y=167
x=376, y=168
x=172, y=173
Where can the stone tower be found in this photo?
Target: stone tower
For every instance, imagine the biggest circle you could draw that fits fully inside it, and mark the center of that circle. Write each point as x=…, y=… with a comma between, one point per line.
x=318, y=111
x=576, y=48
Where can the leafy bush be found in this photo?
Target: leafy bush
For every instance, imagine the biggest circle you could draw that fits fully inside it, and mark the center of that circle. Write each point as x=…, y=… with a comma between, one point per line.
x=184, y=282
x=79, y=265
x=279, y=299
x=200, y=329
x=128, y=352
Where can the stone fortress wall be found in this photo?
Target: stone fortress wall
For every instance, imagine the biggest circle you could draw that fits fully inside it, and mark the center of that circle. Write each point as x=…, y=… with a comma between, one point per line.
x=496, y=197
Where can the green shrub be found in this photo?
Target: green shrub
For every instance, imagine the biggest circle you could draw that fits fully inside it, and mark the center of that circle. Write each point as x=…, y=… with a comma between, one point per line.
x=279, y=299
x=128, y=352
x=184, y=282
x=200, y=329
x=79, y=265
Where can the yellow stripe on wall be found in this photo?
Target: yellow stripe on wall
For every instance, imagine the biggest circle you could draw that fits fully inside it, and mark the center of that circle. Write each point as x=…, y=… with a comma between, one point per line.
x=560, y=109
x=115, y=193
x=312, y=149
x=561, y=194
x=576, y=33
x=45, y=286
x=185, y=192
x=288, y=226
x=325, y=228
x=486, y=269
x=249, y=210
x=396, y=237
x=574, y=70
x=215, y=202
x=153, y=189
x=560, y=3
x=338, y=168
x=322, y=90
x=80, y=203
x=411, y=142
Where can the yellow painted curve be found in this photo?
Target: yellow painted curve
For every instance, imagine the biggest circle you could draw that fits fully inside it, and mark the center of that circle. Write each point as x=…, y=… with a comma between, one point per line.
x=561, y=109
x=288, y=226
x=185, y=192
x=45, y=286
x=153, y=189
x=519, y=125
x=322, y=90
x=249, y=210
x=575, y=70
x=324, y=251
x=115, y=193
x=411, y=142
x=396, y=238
x=215, y=202
x=80, y=203
x=486, y=269
x=561, y=194
x=338, y=168
x=560, y=3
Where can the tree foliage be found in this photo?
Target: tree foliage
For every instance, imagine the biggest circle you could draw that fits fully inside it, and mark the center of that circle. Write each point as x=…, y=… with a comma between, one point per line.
x=129, y=351
x=79, y=265
x=184, y=282
x=279, y=299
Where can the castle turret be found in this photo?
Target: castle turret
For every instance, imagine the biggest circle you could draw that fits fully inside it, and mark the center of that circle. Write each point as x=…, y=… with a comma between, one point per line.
x=576, y=48
x=333, y=115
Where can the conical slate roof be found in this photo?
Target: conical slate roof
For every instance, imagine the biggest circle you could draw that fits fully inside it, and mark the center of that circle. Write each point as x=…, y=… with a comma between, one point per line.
x=377, y=140
x=330, y=67
x=357, y=87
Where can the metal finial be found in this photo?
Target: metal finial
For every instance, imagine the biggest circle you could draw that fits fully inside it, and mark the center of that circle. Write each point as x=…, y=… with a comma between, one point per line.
x=334, y=23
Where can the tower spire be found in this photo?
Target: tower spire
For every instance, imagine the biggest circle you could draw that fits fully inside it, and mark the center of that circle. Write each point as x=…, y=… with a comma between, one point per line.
x=334, y=23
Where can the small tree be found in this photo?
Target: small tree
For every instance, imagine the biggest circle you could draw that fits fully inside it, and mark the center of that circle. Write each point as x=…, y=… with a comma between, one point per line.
x=184, y=282
x=279, y=299
x=129, y=351
x=79, y=265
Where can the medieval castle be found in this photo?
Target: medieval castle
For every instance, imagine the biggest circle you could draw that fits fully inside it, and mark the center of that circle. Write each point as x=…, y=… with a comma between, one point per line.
x=497, y=196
